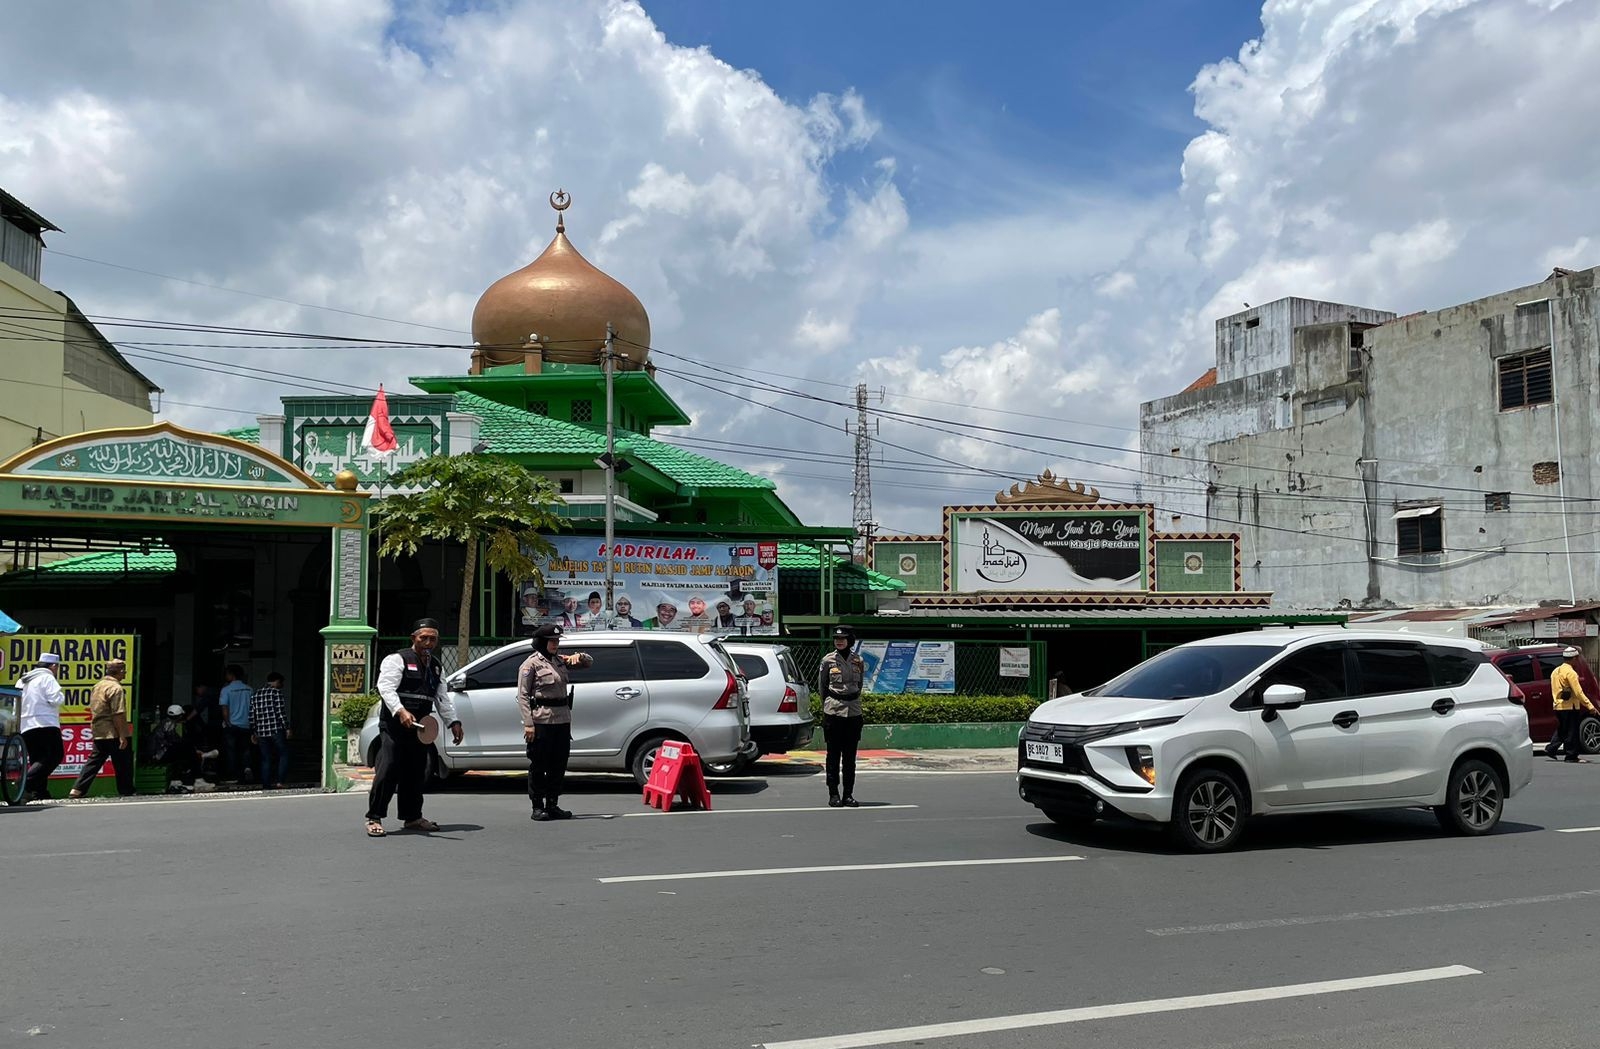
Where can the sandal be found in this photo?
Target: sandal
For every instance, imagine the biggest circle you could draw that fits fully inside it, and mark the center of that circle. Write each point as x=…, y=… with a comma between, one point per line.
x=425, y=826
x=375, y=829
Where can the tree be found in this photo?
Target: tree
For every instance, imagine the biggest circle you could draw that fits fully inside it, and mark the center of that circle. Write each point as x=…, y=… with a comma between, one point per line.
x=474, y=500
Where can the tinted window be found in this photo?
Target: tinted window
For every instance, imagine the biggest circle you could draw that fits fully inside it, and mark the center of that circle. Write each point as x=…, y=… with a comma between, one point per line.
x=1318, y=669
x=1547, y=664
x=1383, y=667
x=501, y=673
x=791, y=672
x=752, y=665
x=1453, y=666
x=611, y=663
x=670, y=661
x=1520, y=669
x=1180, y=673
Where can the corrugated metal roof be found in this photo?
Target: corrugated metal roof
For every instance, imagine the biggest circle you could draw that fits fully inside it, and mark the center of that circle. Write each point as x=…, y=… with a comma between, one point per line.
x=848, y=576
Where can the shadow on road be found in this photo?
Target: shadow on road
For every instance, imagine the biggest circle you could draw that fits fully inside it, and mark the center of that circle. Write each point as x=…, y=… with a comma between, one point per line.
x=1271, y=833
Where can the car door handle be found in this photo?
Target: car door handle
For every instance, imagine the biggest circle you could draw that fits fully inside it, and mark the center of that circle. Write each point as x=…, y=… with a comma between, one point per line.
x=1443, y=706
x=1346, y=718
x=627, y=692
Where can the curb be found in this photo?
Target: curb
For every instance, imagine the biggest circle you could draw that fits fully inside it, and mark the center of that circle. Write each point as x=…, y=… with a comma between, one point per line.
x=966, y=735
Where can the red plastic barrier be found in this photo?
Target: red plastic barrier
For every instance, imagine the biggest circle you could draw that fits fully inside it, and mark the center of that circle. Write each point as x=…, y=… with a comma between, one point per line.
x=676, y=774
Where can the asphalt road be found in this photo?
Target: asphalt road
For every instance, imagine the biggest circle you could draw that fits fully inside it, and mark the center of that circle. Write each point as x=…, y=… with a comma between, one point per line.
x=224, y=922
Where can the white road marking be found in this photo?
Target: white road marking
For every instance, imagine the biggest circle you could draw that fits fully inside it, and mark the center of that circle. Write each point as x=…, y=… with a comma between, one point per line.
x=945, y=819
x=960, y=1028
x=1397, y=912
x=106, y=804
x=59, y=855
x=695, y=875
x=800, y=808
x=1577, y=830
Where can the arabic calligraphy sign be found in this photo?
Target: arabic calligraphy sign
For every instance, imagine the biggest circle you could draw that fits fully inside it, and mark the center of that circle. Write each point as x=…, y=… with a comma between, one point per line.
x=1045, y=551
x=157, y=456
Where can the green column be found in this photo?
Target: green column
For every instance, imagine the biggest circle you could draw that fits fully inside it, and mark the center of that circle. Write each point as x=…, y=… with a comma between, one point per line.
x=347, y=639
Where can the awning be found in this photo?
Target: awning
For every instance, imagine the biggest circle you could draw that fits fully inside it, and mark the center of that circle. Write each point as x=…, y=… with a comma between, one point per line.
x=8, y=625
x=1416, y=511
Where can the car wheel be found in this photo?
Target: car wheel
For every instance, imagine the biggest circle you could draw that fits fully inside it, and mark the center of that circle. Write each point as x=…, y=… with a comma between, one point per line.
x=644, y=758
x=1208, y=812
x=1474, y=801
x=372, y=753
x=727, y=768
x=1070, y=820
x=1589, y=735
x=438, y=774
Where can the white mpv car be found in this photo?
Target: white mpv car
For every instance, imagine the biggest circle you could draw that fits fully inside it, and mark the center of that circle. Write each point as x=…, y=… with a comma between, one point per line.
x=1204, y=735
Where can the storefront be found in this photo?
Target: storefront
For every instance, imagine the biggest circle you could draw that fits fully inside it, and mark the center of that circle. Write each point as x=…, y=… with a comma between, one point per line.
x=266, y=568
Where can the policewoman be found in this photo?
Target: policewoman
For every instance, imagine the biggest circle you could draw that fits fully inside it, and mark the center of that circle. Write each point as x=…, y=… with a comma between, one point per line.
x=544, y=696
x=411, y=684
x=842, y=672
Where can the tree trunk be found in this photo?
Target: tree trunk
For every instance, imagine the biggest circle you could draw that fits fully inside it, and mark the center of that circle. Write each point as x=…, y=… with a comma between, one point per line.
x=469, y=577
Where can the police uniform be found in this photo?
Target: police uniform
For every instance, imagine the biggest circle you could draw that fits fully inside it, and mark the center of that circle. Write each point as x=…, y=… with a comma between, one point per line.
x=842, y=672
x=415, y=681
x=544, y=697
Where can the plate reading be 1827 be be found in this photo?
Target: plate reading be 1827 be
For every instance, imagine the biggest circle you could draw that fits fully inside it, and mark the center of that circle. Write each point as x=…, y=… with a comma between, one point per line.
x=1047, y=752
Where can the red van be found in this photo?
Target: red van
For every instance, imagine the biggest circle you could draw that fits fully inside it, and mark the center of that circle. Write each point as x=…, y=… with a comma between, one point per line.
x=1529, y=668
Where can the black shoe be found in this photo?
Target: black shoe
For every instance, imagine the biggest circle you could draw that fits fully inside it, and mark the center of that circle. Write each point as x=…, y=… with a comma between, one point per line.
x=541, y=815
x=833, y=801
x=557, y=812
x=850, y=802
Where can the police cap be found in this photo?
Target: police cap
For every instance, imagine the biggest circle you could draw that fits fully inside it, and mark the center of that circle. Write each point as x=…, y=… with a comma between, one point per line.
x=844, y=632
x=548, y=632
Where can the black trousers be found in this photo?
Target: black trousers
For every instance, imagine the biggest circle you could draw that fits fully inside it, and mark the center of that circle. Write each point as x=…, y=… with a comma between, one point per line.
x=402, y=768
x=121, y=761
x=548, y=752
x=45, y=752
x=844, y=737
x=1569, y=724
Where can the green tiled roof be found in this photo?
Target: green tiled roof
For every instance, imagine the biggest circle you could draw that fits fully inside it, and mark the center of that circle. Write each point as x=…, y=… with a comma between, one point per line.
x=116, y=562
x=847, y=575
x=512, y=431
x=247, y=434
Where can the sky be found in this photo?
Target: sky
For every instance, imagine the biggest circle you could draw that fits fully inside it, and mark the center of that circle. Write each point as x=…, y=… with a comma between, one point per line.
x=1014, y=222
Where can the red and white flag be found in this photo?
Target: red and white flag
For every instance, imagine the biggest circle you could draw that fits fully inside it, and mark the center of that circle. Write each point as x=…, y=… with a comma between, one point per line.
x=379, y=435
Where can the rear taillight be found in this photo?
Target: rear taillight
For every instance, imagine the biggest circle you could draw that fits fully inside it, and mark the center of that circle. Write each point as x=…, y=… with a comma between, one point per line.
x=791, y=701
x=1516, y=696
x=729, y=692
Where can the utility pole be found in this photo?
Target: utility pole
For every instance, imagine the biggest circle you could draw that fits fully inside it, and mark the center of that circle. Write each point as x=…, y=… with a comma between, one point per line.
x=861, y=496
x=611, y=468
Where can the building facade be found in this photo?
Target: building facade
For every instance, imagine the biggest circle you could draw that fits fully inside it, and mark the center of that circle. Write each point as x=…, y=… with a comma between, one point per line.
x=1443, y=458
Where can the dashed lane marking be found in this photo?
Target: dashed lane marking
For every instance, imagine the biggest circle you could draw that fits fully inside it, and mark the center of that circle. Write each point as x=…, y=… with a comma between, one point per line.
x=1396, y=912
x=765, y=871
x=797, y=808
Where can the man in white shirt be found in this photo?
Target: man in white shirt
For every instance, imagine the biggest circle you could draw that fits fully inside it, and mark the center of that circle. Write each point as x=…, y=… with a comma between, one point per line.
x=41, y=723
x=411, y=683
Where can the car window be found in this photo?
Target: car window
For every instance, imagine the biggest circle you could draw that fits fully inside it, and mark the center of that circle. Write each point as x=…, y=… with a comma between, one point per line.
x=1520, y=669
x=1179, y=673
x=611, y=663
x=1453, y=666
x=791, y=672
x=1320, y=670
x=671, y=661
x=501, y=673
x=1547, y=664
x=1383, y=667
x=752, y=665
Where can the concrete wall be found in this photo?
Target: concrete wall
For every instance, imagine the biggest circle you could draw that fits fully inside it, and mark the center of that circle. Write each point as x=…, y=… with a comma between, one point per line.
x=1259, y=338
x=1421, y=424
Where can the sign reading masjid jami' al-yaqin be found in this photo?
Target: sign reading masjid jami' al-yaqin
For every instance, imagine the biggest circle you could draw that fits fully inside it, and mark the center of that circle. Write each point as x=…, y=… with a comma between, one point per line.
x=154, y=457
x=1050, y=550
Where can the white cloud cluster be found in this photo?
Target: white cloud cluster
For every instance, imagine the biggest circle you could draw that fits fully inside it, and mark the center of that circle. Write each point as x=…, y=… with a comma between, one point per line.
x=1395, y=153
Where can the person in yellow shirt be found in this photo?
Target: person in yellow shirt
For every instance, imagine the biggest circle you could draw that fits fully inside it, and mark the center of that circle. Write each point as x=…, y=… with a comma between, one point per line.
x=1570, y=704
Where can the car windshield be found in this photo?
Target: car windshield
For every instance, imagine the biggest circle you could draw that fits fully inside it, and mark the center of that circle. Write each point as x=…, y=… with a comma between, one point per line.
x=1180, y=673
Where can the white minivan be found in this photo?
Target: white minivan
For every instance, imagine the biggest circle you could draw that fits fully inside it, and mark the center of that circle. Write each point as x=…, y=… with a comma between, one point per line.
x=1206, y=734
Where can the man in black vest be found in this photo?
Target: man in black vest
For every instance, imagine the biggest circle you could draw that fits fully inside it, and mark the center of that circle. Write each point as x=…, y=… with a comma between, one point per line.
x=411, y=683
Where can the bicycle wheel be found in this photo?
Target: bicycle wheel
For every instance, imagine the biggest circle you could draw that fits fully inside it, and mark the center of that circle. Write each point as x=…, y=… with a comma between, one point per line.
x=13, y=769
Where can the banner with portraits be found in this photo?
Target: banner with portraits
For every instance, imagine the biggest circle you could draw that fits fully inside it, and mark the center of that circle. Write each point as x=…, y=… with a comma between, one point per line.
x=660, y=584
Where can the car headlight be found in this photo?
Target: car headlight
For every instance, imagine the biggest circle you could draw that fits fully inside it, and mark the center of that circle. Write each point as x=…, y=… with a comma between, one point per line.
x=1143, y=761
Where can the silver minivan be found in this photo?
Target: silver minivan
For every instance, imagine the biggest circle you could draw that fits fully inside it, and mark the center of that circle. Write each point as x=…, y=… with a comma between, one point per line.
x=780, y=699
x=645, y=686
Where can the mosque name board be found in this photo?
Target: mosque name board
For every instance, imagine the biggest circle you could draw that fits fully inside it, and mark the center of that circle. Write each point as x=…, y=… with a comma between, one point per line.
x=180, y=502
x=159, y=457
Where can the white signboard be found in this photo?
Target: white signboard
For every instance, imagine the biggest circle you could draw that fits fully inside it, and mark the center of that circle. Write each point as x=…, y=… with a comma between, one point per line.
x=1014, y=662
x=1045, y=551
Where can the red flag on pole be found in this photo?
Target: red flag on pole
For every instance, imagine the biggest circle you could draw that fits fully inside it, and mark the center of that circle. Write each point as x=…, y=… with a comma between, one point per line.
x=379, y=435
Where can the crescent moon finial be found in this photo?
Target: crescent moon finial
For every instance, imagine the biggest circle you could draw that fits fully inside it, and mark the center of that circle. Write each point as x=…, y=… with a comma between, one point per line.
x=561, y=200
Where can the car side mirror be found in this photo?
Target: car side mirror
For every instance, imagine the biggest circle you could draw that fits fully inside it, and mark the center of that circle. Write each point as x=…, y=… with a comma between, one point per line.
x=456, y=682
x=1281, y=697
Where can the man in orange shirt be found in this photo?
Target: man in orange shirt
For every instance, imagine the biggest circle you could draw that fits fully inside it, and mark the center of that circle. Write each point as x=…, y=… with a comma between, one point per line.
x=1569, y=703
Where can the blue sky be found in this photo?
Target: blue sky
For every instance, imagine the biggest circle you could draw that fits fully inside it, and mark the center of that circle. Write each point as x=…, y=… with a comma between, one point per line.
x=1006, y=91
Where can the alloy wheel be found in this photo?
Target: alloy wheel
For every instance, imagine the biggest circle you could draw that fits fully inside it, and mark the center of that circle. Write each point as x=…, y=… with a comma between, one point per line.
x=1590, y=736
x=1213, y=811
x=1478, y=800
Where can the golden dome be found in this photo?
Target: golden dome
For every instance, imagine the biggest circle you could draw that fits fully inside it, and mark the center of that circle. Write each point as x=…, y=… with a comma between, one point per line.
x=563, y=299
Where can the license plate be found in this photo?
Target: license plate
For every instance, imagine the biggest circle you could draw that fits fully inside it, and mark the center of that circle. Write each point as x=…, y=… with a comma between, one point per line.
x=1047, y=752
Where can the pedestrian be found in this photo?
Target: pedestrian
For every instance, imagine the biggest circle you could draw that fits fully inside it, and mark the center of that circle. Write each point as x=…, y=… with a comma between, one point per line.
x=269, y=730
x=1569, y=703
x=544, y=696
x=41, y=724
x=411, y=684
x=169, y=747
x=113, y=734
x=842, y=673
x=234, y=703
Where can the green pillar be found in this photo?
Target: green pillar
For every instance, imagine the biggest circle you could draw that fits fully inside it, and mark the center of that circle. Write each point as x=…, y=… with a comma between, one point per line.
x=347, y=639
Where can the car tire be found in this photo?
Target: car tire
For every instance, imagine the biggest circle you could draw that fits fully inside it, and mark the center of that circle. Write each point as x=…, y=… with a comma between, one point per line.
x=1474, y=801
x=644, y=757
x=372, y=752
x=1069, y=820
x=1589, y=735
x=727, y=768
x=1208, y=811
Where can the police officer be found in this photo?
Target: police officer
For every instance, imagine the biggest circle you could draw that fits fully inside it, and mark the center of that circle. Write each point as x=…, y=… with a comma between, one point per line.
x=411, y=683
x=544, y=696
x=842, y=672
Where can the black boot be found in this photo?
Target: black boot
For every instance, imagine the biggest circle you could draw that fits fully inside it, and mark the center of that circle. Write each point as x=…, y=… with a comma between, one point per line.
x=555, y=811
x=833, y=798
x=539, y=814
x=850, y=802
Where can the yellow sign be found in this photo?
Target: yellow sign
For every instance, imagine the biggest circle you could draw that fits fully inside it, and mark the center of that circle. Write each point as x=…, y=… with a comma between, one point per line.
x=83, y=664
